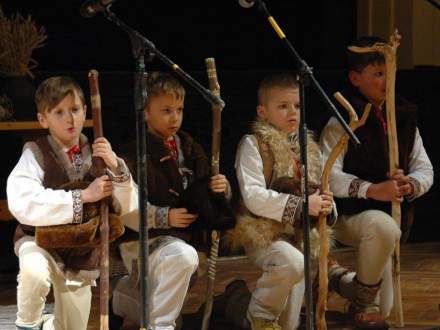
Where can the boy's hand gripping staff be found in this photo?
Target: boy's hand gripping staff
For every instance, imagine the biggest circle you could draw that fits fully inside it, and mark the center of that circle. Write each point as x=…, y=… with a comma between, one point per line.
x=215, y=168
x=100, y=166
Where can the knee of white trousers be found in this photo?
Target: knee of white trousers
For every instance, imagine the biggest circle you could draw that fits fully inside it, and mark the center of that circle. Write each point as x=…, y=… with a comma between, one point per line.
x=382, y=227
x=289, y=261
x=34, y=270
x=188, y=257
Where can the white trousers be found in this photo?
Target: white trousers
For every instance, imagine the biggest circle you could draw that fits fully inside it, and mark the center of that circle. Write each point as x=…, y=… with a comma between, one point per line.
x=38, y=272
x=280, y=289
x=170, y=271
x=374, y=233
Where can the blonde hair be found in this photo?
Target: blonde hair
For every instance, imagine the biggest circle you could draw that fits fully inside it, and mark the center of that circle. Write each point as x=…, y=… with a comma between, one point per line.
x=52, y=90
x=159, y=83
x=278, y=80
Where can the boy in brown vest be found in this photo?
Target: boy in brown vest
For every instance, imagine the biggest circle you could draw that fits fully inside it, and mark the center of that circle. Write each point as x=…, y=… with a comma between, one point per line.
x=36, y=198
x=175, y=162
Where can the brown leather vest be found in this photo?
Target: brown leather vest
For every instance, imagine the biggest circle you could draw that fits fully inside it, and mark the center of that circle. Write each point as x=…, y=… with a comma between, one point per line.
x=55, y=175
x=165, y=183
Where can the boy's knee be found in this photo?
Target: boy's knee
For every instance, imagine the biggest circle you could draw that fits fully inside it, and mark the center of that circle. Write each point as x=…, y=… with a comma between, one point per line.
x=290, y=260
x=34, y=272
x=188, y=256
x=37, y=282
x=383, y=227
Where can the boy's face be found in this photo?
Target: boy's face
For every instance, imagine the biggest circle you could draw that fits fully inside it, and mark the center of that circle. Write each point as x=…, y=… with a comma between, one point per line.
x=65, y=121
x=371, y=82
x=164, y=114
x=281, y=108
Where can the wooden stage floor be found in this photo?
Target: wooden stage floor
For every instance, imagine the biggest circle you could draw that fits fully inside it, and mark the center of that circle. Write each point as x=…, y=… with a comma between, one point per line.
x=420, y=278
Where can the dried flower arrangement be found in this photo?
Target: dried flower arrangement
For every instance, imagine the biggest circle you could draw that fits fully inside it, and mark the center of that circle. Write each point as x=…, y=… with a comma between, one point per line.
x=19, y=37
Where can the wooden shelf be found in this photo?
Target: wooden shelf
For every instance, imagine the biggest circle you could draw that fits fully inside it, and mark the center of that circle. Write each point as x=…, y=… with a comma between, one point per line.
x=29, y=125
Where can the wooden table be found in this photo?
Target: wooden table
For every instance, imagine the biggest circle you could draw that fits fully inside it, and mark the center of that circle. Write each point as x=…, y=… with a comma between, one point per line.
x=29, y=125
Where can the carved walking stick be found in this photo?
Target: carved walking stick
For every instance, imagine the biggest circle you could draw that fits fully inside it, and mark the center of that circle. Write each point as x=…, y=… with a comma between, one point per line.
x=389, y=51
x=215, y=168
x=322, y=221
x=104, y=227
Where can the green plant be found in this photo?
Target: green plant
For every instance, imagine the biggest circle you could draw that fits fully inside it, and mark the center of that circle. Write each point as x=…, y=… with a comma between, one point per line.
x=19, y=37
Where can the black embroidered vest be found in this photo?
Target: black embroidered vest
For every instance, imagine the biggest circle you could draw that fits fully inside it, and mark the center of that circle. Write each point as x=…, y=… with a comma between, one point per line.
x=370, y=161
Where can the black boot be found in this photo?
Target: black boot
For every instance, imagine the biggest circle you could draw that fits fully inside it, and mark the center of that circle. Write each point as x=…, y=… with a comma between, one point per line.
x=236, y=305
x=114, y=321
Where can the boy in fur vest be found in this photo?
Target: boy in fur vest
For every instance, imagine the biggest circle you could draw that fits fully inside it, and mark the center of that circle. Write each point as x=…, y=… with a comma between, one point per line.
x=36, y=198
x=175, y=162
x=269, y=224
x=365, y=189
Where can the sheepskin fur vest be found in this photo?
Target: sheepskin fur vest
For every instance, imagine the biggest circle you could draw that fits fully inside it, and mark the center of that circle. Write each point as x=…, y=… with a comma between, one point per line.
x=278, y=155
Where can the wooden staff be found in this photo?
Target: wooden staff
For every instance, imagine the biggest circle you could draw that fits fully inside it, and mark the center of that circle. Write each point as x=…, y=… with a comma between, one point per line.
x=389, y=51
x=322, y=221
x=100, y=166
x=215, y=169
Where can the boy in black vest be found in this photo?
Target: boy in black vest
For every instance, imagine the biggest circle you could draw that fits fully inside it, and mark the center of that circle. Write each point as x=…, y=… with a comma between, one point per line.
x=38, y=196
x=365, y=190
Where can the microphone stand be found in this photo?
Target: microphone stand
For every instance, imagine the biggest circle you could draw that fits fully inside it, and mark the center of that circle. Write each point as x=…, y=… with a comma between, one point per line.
x=140, y=45
x=434, y=3
x=305, y=79
x=206, y=93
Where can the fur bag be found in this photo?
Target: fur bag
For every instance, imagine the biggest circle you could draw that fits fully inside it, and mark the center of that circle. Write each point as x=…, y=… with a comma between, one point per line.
x=85, y=234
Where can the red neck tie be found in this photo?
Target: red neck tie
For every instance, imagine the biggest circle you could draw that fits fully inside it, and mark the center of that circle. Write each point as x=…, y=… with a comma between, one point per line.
x=172, y=145
x=382, y=121
x=74, y=150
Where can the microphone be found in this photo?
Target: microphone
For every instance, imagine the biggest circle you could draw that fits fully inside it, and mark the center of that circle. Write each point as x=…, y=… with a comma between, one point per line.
x=91, y=7
x=246, y=3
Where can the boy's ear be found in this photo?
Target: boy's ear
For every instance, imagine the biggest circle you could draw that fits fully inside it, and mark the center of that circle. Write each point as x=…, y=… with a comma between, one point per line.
x=261, y=112
x=145, y=114
x=42, y=120
x=354, y=77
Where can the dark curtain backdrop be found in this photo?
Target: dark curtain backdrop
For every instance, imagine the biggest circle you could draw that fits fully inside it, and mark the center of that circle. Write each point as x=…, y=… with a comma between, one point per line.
x=189, y=31
x=245, y=48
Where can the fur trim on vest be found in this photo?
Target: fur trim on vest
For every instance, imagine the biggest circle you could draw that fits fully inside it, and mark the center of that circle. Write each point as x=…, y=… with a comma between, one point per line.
x=278, y=154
